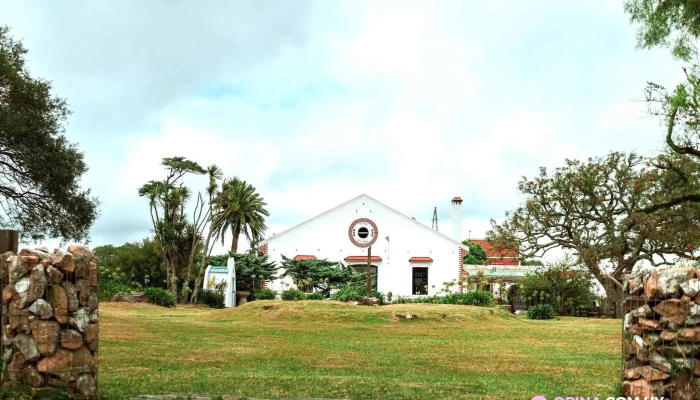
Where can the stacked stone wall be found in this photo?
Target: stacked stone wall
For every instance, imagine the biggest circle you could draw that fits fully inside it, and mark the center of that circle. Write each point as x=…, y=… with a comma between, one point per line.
x=661, y=334
x=50, y=319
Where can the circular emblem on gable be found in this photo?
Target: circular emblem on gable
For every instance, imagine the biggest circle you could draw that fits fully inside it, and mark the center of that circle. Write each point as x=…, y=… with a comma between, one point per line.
x=363, y=232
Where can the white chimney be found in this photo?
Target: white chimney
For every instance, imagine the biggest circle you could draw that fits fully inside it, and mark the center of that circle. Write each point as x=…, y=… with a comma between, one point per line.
x=457, y=219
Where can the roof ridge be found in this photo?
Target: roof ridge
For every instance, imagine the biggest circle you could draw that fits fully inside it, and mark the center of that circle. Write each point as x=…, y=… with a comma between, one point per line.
x=445, y=237
x=309, y=220
x=421, y=225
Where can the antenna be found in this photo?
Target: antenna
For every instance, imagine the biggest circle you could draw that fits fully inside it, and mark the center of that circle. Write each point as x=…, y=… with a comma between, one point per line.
x=435, y=219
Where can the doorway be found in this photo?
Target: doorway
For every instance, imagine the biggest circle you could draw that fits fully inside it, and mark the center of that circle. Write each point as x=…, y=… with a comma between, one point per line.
x=420, y=281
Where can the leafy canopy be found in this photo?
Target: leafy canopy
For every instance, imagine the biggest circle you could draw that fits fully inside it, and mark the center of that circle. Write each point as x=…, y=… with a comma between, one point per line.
x=240, y=209
x=132, y=262
x=40, y=170
x=477, y=254
x=667, y=23
x=320, y=274
x=593, y=208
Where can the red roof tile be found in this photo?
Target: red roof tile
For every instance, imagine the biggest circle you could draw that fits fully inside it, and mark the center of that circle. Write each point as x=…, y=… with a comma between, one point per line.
x=459, y=199
x=420, y=259
x=504, y=257
x=300, y=257
x=362, y=258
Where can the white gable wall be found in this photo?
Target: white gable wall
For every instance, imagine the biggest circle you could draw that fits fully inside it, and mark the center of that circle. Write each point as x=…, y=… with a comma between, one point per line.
x=327, y=237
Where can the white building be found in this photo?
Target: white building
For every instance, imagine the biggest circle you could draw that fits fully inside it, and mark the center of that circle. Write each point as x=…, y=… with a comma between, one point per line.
x=406, y=256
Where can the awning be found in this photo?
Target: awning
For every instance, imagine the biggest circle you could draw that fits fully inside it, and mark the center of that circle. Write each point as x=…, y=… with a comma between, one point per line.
x=420, y=259
x=362, y=258
x=301, y=257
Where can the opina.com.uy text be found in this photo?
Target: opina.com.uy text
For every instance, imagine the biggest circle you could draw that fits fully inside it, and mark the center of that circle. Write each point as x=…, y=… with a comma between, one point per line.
x=597, y=398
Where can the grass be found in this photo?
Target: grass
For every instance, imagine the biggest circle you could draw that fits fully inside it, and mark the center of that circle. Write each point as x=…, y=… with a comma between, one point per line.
x=333, y=350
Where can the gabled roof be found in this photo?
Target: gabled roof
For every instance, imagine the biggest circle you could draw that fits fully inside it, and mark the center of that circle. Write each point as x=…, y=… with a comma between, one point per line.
x=417, y=224
x=495, y=257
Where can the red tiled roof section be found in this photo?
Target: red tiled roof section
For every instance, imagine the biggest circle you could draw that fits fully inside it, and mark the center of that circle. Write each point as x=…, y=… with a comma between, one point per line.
x=362, y=258
x=301, y=257
x=420, y=259
x=504, y=257
x=457, y=199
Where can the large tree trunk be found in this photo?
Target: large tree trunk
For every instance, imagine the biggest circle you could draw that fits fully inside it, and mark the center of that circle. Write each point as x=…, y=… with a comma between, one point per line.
x=202, y=269
x=188, y=271
x=612, y=291
x=236, y=233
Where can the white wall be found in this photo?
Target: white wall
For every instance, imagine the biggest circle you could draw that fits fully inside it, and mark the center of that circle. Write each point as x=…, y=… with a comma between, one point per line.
x=327, y=237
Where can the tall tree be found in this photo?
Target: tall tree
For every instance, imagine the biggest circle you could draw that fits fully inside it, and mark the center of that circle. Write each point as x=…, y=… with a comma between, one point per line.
x=215, y=175
x=240, y=209
x=177, y=236
x=592, y=208
x=40, y=170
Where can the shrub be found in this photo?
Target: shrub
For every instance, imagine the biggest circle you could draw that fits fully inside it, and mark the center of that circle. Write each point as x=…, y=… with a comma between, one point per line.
x=379, y=295
x=476, y=298
x=293, y=294
x=348, y=293
x=160, y=297
x=541, y=311
x=212, y=298
x=563, y=284
x=315, y=296
x=109, y=289
x=265, y=294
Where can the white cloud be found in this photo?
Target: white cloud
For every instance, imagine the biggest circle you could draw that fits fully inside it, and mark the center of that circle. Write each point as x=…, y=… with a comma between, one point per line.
x=409, y=102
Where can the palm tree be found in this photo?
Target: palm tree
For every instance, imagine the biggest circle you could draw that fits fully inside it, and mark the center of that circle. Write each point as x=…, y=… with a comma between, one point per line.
x=240, y=209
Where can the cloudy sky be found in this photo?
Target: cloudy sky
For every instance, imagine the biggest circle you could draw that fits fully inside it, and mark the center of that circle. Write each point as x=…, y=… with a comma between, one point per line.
x=317, y=102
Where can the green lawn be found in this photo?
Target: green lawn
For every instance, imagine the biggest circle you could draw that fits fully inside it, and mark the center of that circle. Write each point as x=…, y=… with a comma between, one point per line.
x=333, y=350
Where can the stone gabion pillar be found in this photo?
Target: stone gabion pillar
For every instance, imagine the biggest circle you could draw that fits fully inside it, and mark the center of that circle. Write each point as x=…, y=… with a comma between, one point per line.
x=50, y=319
x=661, y=334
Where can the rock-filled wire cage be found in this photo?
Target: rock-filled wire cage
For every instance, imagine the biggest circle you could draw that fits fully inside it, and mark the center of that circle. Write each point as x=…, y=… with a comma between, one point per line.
x=661, y=334
x=50, y=319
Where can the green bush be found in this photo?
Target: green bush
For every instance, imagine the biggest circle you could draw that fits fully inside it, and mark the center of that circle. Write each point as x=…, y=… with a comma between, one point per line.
x=109, y=289
x=293, y=294
x=476, y=298
x=265, y=294
x=315, y=296
x=472, y=298
x=160, y=297
x=348, y=293
x=379, y=295
x=541, y=311
x=212, y=298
